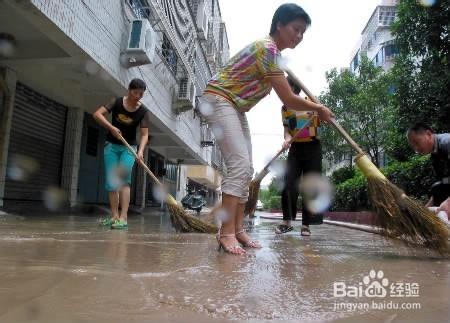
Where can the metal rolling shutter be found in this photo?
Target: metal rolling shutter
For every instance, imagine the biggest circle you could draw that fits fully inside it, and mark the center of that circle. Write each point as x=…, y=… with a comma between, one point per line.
x=38, y=128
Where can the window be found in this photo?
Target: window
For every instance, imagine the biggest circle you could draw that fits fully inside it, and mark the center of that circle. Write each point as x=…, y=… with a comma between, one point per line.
x=391, y=50
x=171, y=171
x=135, y=34
x=140, y=8
x=221, y=35
x=169, y=54
x=355, y=62
x=379, y=58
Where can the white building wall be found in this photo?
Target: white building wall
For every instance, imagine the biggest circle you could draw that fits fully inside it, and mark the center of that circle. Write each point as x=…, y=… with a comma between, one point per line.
x=98, y=27
x=95, y=32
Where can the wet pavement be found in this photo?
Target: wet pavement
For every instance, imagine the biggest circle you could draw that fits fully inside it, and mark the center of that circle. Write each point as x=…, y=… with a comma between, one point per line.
x=69, y=269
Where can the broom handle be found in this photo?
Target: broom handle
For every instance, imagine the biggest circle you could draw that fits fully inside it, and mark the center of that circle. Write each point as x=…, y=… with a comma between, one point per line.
x=332, y=121
x=147, y=170
x=265, y=170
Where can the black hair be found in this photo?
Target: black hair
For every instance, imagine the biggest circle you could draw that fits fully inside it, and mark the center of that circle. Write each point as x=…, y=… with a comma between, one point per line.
x=295, y=88
x=286, y=13
x=419, y=128
x=137, y=84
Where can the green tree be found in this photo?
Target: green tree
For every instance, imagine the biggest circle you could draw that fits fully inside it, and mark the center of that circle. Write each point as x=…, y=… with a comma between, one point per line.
x=272, y=193
x=362, y=103
x=421, y=72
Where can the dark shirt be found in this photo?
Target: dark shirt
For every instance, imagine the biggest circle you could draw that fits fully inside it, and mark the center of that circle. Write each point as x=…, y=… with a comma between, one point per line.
x=126, y=121
x=440, y=157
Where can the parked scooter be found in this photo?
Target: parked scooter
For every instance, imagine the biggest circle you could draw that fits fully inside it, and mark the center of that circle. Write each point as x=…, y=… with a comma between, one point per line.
x=193, y=200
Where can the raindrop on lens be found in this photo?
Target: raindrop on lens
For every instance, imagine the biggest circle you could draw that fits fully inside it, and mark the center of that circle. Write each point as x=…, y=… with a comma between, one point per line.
x=116, y=177
x=6, y=49
x=221, y=216
x=21, y=167
x=159, y=193
x=104, y=75
x=92, y=67
x=206, y=107
x=278, y=168
x=427, y=3
x=54, y=198
x=317, y=193
x=279, y=183
x=283, y=63
x=217, y=131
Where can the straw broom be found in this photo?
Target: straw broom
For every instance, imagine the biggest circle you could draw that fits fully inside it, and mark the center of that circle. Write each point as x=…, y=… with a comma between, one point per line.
x=182, y=221
x=398, y=215
x=255, y=184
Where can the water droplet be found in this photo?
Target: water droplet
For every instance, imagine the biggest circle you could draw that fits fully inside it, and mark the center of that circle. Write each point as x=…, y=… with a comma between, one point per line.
x=117, y=177
x=211, y=308
x=21, y=168
x=317, y=192
x=217, y=131
x=427, y=3
x=159, y=193
x=206, y=107
x=54, y=198
x=92, y=67
x=7, y=48
x=283, y=63
x=221, y=216
x=278, y=168
x=104, y=75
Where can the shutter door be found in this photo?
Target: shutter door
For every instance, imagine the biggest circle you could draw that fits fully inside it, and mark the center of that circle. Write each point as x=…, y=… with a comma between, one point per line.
x=38, y=128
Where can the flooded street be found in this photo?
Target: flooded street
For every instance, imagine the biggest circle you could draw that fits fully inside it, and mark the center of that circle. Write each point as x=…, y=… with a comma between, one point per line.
x=70, y=269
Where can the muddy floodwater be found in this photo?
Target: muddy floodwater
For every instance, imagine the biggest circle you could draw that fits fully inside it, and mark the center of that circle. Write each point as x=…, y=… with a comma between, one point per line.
x=63, y=268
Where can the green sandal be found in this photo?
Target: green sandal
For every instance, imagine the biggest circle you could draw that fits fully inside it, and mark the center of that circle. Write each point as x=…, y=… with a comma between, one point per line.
x=106, y=222
x=119, y=224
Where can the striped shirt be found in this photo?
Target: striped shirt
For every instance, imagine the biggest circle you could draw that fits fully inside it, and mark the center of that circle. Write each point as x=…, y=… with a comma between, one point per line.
x=245, y=79
x=294, y=120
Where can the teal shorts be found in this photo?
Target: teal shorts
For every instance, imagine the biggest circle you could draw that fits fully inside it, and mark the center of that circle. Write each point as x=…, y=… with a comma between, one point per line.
x=119, y=162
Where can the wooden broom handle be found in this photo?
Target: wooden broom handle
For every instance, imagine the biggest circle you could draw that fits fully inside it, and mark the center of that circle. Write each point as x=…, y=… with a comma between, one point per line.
x=148, y=171
x=264, y=171
x=332, y=121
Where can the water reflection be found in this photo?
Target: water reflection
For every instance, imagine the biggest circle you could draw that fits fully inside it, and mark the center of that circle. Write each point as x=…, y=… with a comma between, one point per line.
x=69, y=268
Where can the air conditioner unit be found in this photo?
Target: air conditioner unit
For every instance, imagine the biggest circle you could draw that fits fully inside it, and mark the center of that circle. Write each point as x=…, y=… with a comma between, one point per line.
x=141, y=44
x=185, y=96
x=202, y=21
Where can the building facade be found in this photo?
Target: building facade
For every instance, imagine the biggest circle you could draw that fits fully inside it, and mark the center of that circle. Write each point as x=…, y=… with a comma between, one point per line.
x=70, y=57
x=377, y=43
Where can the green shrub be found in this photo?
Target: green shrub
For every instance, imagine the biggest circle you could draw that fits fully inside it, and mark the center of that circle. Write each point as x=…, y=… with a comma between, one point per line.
x=342, y=174
x=414, y=176
x=275, y=202
x=351, y=195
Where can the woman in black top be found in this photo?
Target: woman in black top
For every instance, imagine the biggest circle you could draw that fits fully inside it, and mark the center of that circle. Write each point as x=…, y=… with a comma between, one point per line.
x=127, y=114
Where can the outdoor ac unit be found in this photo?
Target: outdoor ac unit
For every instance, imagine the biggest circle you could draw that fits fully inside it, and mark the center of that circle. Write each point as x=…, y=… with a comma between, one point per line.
x=185, y=96
x=141, y=44
x=202, y=21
